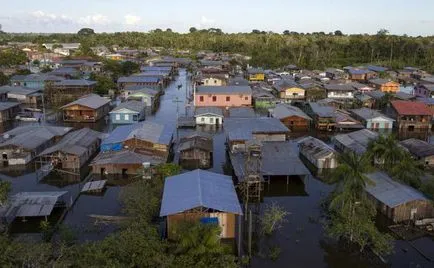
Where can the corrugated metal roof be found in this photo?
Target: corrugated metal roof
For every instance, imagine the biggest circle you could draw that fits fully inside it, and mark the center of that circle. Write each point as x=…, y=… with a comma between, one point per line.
x=316, y=148
x=376, y=94
x=17, y=90
x=367, y=114
x=197, y=189
x=148, y=131
x=377, y=68
x=5, y=105
x=31, y=137
x=92, y=101
x=138, y=79
x=93, y=186
x=76, y=142
x=243, y=128
x=356, y=141
x=224, y=90
x=418, y=148
x=339, y=87
x=390, y=192
x=241, y=112
x=208, y=110
x=282, y=111
x=277, y=159
x=124, y=157
x=132, y=105
x=75, y=82
x=322, y=110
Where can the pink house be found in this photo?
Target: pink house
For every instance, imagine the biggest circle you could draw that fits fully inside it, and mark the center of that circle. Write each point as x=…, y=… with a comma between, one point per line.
x=224, y=96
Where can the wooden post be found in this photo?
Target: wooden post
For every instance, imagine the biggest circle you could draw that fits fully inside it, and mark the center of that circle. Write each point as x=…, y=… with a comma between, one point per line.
x=239, y=234
x=250, y=234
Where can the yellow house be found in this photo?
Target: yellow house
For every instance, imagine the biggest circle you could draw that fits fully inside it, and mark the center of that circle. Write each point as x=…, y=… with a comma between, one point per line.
x=289, y=90
x=114, y=57
x=255, y=75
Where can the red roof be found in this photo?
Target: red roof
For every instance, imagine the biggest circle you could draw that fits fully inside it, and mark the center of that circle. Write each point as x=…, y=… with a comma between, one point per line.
x=411, y=108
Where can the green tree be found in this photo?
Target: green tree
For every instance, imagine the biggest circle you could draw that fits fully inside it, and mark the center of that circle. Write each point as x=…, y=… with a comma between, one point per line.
x=385, y=152
x=408, y=171
x=272, y=219
x=4, y=79
x=352, y=213
x=286, y=32
x=12, y=57
x=104, y=84
x=338, y=33
x=86, y=31
x=193, y=30
x=5, y=188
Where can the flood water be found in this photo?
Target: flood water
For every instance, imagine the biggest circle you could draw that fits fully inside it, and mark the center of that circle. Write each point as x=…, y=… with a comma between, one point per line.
x=301, y=239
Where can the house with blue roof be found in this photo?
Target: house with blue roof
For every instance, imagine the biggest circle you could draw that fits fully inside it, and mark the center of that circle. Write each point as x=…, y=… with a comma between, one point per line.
x=201, y=196
x=34, y=81
x=145, y=137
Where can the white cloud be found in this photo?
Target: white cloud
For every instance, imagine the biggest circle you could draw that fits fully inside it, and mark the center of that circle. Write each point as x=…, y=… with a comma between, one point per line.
x=96, y=19
x=49, y=18
x=132, y=20
x=206, y=21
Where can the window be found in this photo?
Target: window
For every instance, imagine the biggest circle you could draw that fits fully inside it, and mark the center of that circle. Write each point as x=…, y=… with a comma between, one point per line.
x=211, y=120
x=201, y=98
x=202, y=119
x=228, y=98
x=246, y=98
x=215, y=81
x=386, y=125
x=127, y=117
x=118, y=117
x=135, y=118
x=214, y=98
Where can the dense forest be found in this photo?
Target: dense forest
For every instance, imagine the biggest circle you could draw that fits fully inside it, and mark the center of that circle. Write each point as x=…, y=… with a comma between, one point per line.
x=267, y=49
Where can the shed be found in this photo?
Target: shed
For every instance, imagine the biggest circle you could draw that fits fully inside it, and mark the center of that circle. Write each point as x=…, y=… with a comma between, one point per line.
x=398, y=202
x=198, y=195
x=9, y=110
x=372, y=119
x=420, y=149
x=196, y=151
x=89, y=108
x=321, y=155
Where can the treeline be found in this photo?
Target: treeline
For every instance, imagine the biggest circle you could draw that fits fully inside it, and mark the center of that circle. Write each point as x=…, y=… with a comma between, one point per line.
x=271, y=50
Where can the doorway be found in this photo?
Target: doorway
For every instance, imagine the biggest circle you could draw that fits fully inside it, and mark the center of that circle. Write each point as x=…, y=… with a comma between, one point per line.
x=102, y=171
x=124, y=172
x=217, y=121
x=4, y=156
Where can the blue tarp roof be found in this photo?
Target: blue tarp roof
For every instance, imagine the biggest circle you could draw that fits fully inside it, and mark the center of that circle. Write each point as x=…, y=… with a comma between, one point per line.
x=199, y=188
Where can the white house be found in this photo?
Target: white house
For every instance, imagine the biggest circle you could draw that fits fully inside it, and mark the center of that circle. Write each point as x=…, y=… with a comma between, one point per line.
x=209, y=116
x=339, y=91
x=373, y=119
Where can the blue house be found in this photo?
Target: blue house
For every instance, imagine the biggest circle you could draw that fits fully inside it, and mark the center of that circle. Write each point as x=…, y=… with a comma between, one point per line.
x=34, y=81
x=128, y=112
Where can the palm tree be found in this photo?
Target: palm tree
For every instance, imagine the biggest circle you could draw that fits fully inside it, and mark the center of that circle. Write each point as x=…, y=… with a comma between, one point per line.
x=385, y=152
x=198, y=239
x=408, y=171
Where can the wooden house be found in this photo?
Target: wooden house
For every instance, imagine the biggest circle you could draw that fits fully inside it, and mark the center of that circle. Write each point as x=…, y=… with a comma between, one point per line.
x=255, y=75
x=372, y=119
x=384, y=85
x=89, y=108
x=289, y=90
x=424, y=90
x=356, y=141
x=9, y=110
x=421, y=150
x=73, y=150
x=145, y=81
x=128, y=112
x=318, y=153
x=313, y=91
x=208, y=116
x=361, y=88
x=323, y=116
x=123, y=162
x=241, y=130
x=334, y=74
x=263, y=99
x=192, y=197
x=397, y=201
x=361, y=75
x=195, y=151
x=21, y=145
x=345, y=122
x=364, y=100
x=411, y=116
x=292, y=117
x=147, y=138
x=227, y=96
x=68, y=90
x=35, y=81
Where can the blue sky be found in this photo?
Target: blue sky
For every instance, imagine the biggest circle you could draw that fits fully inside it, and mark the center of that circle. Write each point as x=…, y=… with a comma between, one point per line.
x=414, y=17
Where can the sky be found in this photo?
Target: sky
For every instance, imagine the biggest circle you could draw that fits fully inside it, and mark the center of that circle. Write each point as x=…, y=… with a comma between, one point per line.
x=412, y=17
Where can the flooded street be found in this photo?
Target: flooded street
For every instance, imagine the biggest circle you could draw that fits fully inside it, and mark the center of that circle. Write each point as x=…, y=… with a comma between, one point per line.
x=302, y=240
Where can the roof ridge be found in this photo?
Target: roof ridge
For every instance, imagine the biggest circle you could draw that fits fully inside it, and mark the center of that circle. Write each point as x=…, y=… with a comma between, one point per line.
x=200, y=186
